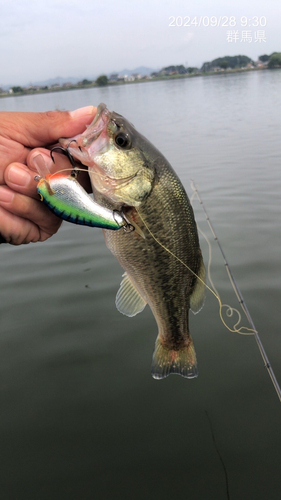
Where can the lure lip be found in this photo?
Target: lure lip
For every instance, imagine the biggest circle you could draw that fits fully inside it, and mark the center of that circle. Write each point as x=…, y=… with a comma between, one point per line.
x=41, y=167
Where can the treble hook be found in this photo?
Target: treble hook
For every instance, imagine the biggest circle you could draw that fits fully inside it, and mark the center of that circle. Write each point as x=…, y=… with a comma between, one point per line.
x=127, y=226
x=65, y=152
x=73, y=140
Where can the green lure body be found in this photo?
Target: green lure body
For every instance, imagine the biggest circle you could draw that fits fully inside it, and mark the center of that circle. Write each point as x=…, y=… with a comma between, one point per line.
x=66, y=198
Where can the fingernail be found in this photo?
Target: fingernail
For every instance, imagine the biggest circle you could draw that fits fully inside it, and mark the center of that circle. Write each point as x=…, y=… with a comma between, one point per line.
x=42, y=163
x=19, y=176
x=86, y=111
x=6, y=195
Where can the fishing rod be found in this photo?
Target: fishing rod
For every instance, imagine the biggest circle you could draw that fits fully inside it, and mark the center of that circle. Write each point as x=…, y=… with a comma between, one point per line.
x=240, y=298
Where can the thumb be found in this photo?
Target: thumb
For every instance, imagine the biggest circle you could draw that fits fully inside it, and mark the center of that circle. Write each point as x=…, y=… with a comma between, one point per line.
x=40, y=129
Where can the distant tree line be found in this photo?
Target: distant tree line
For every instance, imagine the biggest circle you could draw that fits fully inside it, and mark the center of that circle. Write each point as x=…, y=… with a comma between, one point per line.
x=231, y=62
x=16, y=90
x=264, y=58
x=180, y=70
x=226, y=62
x=274, y=60
x=102, y=80
x=86, y=82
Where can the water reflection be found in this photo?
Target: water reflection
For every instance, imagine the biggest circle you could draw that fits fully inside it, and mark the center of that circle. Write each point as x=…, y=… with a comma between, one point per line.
x=80, y=414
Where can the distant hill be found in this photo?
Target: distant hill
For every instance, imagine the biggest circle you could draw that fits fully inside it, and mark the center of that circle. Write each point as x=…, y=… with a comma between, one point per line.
x=42, y=83
x=60, y=80
x=141, y=70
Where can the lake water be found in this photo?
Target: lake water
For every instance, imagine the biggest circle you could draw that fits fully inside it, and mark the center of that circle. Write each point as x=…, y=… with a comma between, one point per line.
x=81, y=417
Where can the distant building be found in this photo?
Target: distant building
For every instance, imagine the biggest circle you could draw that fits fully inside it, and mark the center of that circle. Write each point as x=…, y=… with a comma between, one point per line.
x=113, y=77
x=32, y=88
x=163, y=72
x=128, y=78
x=261, y=64
x=136, y=76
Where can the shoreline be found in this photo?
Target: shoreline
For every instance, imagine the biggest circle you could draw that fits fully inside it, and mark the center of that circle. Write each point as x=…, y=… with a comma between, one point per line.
x=141, y=80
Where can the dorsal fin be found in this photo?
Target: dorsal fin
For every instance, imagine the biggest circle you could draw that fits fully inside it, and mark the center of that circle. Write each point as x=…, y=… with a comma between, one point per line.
x=128, y=299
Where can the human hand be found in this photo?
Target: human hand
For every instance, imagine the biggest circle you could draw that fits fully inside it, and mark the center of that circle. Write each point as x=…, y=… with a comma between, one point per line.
x=23, y=218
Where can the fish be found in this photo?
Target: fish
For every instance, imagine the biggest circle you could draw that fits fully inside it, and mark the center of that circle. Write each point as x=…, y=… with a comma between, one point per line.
x=162, y=258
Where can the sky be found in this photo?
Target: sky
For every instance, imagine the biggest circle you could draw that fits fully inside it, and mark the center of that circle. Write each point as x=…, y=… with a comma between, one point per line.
x=43, y=39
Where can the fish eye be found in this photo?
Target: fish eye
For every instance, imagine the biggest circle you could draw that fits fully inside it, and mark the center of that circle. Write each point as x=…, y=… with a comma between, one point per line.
x=122, y=140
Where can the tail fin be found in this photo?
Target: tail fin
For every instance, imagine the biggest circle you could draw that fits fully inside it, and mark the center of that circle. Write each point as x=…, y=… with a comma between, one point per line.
x=167, y=360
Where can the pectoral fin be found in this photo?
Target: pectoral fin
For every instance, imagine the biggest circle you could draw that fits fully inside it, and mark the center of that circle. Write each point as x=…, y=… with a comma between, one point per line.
x=198, y=295
x=128, y=299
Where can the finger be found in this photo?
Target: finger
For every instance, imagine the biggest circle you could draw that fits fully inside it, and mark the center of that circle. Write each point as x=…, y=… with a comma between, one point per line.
x=56, y=163
x=17, y=231
x=29, y=211
x=39, y=129
x=21, y=179
x=56, y=124
x=10, y=151
x=61, y=164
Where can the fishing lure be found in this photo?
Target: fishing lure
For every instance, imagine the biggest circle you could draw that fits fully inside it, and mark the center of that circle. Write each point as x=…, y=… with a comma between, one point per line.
x=68, y=200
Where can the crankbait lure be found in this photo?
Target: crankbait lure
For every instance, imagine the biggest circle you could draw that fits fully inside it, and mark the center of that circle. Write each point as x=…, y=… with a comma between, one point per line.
x=68, y=200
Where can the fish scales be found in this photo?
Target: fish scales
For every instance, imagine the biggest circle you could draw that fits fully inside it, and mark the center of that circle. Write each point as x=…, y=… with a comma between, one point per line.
x=159, y=255
x=161, y=279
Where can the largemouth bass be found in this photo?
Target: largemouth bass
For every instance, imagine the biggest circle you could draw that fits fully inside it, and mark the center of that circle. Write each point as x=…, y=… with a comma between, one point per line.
x=162, y=257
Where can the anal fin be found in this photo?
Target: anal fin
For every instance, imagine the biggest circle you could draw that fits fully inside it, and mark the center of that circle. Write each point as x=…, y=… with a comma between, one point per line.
x=128, y=299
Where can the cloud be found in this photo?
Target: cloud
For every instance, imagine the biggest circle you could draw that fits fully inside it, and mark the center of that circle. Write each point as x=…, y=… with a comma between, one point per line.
x=43, y=39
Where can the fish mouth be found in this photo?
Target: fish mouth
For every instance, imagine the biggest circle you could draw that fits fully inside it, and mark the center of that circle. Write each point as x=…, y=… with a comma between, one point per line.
x=98, y=125
x=91, y=143
x=91, y=134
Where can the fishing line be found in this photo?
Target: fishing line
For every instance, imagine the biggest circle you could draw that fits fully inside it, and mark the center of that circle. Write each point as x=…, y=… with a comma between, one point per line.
x=229, y=309
x=67, y=170
x=243, y=330
x=219, y=455
x=241, y=300
x=79, y=169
